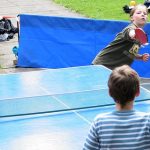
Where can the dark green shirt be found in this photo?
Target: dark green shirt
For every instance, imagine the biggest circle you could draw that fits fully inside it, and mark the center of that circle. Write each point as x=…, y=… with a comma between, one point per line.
x=122, y=50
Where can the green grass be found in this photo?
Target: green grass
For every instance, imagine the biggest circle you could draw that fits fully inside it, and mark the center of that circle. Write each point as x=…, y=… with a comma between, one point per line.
x=99, y=9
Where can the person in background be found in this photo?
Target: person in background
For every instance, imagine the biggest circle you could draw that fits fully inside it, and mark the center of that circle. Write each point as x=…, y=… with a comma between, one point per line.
x=124, y=128
x=124, y=48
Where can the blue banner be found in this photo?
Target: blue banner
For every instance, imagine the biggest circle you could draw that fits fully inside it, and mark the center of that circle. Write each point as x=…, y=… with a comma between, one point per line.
x=59, y=42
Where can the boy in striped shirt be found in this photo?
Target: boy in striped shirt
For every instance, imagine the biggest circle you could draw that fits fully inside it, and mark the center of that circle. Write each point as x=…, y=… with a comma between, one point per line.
x=124, y=128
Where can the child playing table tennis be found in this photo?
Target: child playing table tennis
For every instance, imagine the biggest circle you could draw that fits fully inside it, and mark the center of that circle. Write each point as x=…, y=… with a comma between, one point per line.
x=124, y=48
x=124, y=128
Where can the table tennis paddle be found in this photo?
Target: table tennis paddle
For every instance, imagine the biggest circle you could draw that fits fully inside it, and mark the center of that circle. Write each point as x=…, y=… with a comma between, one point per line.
x=141, y=36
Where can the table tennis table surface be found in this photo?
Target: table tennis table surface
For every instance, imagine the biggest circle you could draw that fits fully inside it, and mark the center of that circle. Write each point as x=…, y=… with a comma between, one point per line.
x=52, y=109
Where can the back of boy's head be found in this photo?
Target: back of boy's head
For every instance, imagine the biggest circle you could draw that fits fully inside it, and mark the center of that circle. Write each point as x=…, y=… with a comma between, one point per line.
x=136, y=7
x=123, y=84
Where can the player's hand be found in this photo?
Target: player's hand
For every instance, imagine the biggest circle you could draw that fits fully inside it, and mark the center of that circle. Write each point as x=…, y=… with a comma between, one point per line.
x=145, y=57
x=132, y=34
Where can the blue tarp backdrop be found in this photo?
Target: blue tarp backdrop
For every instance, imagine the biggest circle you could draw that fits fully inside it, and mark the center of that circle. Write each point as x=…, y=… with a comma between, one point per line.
x=59, y=42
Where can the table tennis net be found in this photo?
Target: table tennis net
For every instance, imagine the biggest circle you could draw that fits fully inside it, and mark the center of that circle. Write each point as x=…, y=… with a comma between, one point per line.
x=56, y=103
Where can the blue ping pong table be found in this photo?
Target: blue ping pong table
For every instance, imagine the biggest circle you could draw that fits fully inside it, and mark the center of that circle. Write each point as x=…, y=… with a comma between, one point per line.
x=53, y=109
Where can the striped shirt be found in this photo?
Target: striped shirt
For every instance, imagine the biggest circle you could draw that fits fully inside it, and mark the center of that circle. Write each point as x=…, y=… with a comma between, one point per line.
x=119, y=130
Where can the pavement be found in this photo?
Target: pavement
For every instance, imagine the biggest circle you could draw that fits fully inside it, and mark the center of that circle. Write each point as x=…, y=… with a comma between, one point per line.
x=14, y=8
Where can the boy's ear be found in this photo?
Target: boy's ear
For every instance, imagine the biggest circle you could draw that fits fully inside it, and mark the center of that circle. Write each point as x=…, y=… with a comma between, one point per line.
x=138, y=92
x=109, y=93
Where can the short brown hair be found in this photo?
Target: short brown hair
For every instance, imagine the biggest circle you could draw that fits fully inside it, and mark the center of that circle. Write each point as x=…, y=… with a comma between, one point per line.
x=135, y=8
x=123, y=84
